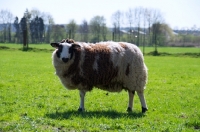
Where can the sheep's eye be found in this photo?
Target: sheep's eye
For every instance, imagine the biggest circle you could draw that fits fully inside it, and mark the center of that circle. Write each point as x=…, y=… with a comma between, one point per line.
x=59, y=51
x=60, y=48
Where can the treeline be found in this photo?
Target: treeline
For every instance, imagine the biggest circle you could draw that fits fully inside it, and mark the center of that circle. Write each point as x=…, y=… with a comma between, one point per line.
x=142, y=26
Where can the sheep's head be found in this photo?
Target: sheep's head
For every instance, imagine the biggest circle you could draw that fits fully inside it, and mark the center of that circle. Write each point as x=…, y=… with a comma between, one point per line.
x=65, y=49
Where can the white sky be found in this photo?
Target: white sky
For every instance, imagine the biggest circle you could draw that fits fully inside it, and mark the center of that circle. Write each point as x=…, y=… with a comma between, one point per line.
x=177, y=13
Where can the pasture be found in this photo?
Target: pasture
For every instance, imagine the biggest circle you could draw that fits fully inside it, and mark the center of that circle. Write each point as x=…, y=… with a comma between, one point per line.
x=33, y=99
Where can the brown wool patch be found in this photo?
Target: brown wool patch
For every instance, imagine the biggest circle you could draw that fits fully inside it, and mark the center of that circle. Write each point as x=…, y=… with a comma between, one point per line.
x=123, y=45
x=62, y=41
x=106, y=69
x=127, y=69
x=70, y=41
x=91, y=77
x=105, y=72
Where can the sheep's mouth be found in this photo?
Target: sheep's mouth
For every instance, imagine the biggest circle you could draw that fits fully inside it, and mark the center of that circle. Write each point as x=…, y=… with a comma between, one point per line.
x=65, y=60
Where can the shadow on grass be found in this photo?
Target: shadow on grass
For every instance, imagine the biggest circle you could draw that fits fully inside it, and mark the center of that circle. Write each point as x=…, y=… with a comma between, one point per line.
x=195, y=55
x=4, y=47
x=36, y=50
x=25, y=49
x=94, y=114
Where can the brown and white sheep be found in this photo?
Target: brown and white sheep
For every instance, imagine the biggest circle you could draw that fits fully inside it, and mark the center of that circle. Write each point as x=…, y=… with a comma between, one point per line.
x=110, y=66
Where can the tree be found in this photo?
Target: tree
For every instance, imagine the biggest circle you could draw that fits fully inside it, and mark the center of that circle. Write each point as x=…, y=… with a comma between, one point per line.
x=41, y=29
x=84, y=30
x=37, y=30
x=98, y=28
x=34, y=30
x=145, y=15
x=27, y=15
x=137, y=17
x=6, y=17
x=50, y=24
x=44, y=15
x=57, y=33
x=129, y=16
x=23, y=26
x=166, y=34
x=95, y=28
x=71, y=29
x=149, y=22
x=117, y=19
x=35, y=13
x=157, y=20
x=156, y=30
x=44, y=19
x=161, y=34
x=3, y=24
x=114, y=37
x=17, y=33
x=9, y=21
x=104, y=31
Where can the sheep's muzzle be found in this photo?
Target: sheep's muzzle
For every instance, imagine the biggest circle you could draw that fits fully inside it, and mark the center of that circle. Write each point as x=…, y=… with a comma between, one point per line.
x=65, y=60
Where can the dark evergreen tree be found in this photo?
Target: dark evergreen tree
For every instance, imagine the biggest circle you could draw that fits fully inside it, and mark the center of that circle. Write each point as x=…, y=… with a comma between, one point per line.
x=37, y=29
x=32, y=30
x=9, y=32
x=23, y=28
x=36, y=23
x=48, y=34
x=23, y=24
x=41, y=29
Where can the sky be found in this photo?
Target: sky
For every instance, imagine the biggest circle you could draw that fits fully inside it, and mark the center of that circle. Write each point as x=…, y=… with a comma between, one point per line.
x=177, y=13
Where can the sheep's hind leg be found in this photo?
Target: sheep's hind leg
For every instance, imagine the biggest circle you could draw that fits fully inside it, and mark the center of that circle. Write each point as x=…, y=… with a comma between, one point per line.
x=130, y=103
x=82, y=100
x=142, y=101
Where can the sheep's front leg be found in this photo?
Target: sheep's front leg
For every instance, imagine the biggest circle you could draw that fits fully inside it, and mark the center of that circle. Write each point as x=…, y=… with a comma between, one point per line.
x=82, y=99
x=131, y=97
x=142, y=101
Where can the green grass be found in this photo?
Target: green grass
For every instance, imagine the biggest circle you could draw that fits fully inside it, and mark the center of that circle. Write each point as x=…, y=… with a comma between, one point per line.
x=173, y=50
x=169, y=50
x=33, y=99
x=19, y=46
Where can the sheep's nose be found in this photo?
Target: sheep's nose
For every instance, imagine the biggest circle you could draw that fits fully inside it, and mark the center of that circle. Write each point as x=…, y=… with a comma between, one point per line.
x=65, y=60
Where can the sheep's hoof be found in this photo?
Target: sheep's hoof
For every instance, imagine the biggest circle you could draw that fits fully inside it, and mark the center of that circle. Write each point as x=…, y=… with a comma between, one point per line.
x=81, y=110
x=144, y=110
x=129, y=109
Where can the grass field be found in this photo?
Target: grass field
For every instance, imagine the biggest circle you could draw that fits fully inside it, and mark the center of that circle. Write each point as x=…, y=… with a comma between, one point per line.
x=170, y=50
x=33, y=99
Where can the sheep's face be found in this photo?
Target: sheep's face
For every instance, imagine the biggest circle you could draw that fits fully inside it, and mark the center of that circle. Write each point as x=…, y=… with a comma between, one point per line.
x=64, y=51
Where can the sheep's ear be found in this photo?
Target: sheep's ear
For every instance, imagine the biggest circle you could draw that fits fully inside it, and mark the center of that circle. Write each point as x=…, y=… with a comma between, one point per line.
x=73, y=49
x=63, y=41
x=55, y=45
x=75, y=46
x=70, y=41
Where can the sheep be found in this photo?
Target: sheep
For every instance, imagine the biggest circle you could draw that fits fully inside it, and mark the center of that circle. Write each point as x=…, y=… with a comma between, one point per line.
x=110, y=66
